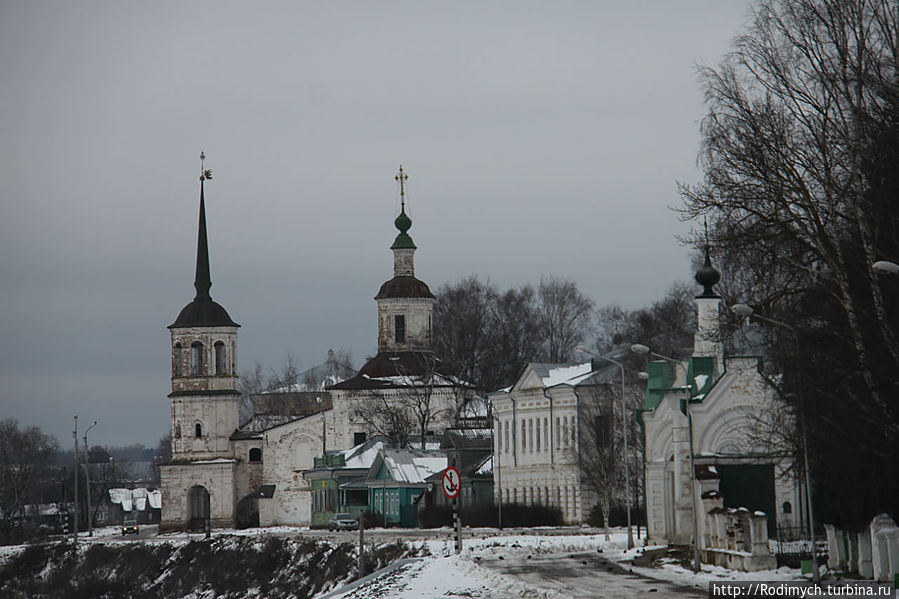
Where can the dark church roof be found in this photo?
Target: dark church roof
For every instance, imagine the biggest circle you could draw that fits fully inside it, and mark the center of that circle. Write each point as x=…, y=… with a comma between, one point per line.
x=202, y=311
x=404, y=286
x=388, y=369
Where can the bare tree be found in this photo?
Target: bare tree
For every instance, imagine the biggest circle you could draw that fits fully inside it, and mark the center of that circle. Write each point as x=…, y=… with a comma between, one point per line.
x=516, y=337
x=464, y=321
x=800, y=159
x=597, y=454
x=666, y=326
x=24, y=455
x=252, y=382
x=566, y=317
x=380, y=412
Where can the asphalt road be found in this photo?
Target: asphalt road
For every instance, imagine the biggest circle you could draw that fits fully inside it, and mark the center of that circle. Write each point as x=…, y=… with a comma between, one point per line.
x=584, y=575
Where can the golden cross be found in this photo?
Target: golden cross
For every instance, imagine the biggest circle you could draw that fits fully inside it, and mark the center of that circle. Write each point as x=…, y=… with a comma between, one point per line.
x=402, y=177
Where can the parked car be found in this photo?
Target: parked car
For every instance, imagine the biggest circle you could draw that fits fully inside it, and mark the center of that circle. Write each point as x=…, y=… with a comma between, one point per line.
x=343, y=522
x=130, y=527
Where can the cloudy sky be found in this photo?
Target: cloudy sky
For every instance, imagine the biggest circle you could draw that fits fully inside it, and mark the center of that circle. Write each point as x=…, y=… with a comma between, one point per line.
x=540, y=138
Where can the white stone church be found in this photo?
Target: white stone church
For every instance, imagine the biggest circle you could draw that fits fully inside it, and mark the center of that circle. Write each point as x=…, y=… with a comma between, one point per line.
x=728, y=398
x=223, y=471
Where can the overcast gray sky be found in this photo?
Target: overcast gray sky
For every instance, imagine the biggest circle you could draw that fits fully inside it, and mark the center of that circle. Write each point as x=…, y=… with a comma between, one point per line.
x=539, y=137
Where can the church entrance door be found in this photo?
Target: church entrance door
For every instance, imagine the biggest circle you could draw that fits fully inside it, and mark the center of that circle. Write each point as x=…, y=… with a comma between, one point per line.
x=197, y=507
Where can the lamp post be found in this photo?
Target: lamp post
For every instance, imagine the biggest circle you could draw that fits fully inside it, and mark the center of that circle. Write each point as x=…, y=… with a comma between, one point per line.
x=745, y=311
x=627, y=476
x=75, y=520
x=644, y=350
x=87, y=482
x=318, y=400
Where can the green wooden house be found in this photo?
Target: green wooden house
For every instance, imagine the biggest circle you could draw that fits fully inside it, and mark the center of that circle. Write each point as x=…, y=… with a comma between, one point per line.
x=396, y=481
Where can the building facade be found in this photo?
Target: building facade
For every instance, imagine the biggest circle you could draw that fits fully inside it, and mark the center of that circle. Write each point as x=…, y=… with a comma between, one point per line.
x=727, y=399
x=537, y=438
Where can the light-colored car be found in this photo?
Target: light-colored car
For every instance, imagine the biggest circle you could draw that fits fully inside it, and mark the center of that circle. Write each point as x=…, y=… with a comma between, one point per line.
x=343, y=522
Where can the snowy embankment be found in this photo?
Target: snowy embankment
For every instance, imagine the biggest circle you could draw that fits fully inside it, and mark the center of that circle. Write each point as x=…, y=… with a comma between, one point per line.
x=225, y=567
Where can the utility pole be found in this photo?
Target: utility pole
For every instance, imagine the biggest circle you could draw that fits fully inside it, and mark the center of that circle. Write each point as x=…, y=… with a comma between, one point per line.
x=75, y=521
x=361, y=565
x=87, y=481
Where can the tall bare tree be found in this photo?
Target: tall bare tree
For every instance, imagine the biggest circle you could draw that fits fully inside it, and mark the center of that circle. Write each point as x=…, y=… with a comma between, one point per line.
x=801, y=174
x=566, y=317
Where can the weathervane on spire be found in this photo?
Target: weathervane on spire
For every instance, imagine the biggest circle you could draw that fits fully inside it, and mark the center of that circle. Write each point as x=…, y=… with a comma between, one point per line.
x=402, y=178
x=205, y=173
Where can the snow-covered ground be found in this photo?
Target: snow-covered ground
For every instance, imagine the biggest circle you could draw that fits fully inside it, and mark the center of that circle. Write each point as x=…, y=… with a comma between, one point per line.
x=446, y=574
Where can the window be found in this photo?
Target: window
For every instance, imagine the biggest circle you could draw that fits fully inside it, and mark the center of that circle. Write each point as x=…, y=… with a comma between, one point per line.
x=499, y=437
x=255, y=454
x=507, y=436
x=601, y=430
x=178, y=360
x=531, y=433
x=219, y=357
x=358, y=439
x=399, y=328
x=177, y=431
x=524, y=435
x=196, y=358
x=537, y=449
x=787, y=507
x=564, y=431
x=546, y=433
x=198, y=430
x=558, y=437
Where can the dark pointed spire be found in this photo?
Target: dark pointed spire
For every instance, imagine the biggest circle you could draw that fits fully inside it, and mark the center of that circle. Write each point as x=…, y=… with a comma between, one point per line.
x=202, y=280
x=202, y=311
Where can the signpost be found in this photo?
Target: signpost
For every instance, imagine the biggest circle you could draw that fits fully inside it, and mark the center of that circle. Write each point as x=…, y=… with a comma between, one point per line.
x=452, y=483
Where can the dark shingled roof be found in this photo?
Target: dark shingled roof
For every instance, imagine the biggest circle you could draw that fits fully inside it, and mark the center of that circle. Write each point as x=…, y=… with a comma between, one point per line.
x=404, y=286
x=392, y=364
x=203, y=313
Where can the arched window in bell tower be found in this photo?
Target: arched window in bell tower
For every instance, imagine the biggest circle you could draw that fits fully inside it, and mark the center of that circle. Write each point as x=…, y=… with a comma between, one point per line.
x=178, y=360
x=198, y=430
x=196, y=358
x=219, y=357
x=399, y=328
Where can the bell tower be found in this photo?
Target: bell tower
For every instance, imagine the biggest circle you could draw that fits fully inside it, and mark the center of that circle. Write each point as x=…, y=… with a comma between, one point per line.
x=204, y=399
x=405, y=304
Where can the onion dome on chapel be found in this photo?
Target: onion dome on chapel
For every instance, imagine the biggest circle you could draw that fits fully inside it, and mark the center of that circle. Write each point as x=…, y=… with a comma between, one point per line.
x=403, y=223
x=708, y=276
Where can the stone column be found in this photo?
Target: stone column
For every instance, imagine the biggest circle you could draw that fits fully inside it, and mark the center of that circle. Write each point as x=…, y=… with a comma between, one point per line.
x=865, y=568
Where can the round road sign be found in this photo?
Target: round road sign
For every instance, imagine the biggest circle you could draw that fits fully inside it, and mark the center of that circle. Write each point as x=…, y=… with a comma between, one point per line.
x=452, y=482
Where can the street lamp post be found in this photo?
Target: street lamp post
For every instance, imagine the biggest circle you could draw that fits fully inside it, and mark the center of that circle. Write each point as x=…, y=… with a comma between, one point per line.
x=75, y=521
x=87, y=482
x=318, y=400
x=644, y=350
x=627, y=476
x=745, y=311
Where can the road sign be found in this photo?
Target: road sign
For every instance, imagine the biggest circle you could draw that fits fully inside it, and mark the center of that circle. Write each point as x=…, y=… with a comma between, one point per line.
x=451, y=482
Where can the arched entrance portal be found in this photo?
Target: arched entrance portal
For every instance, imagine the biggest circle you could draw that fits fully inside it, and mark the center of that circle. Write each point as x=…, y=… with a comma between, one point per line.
x=197, y=507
